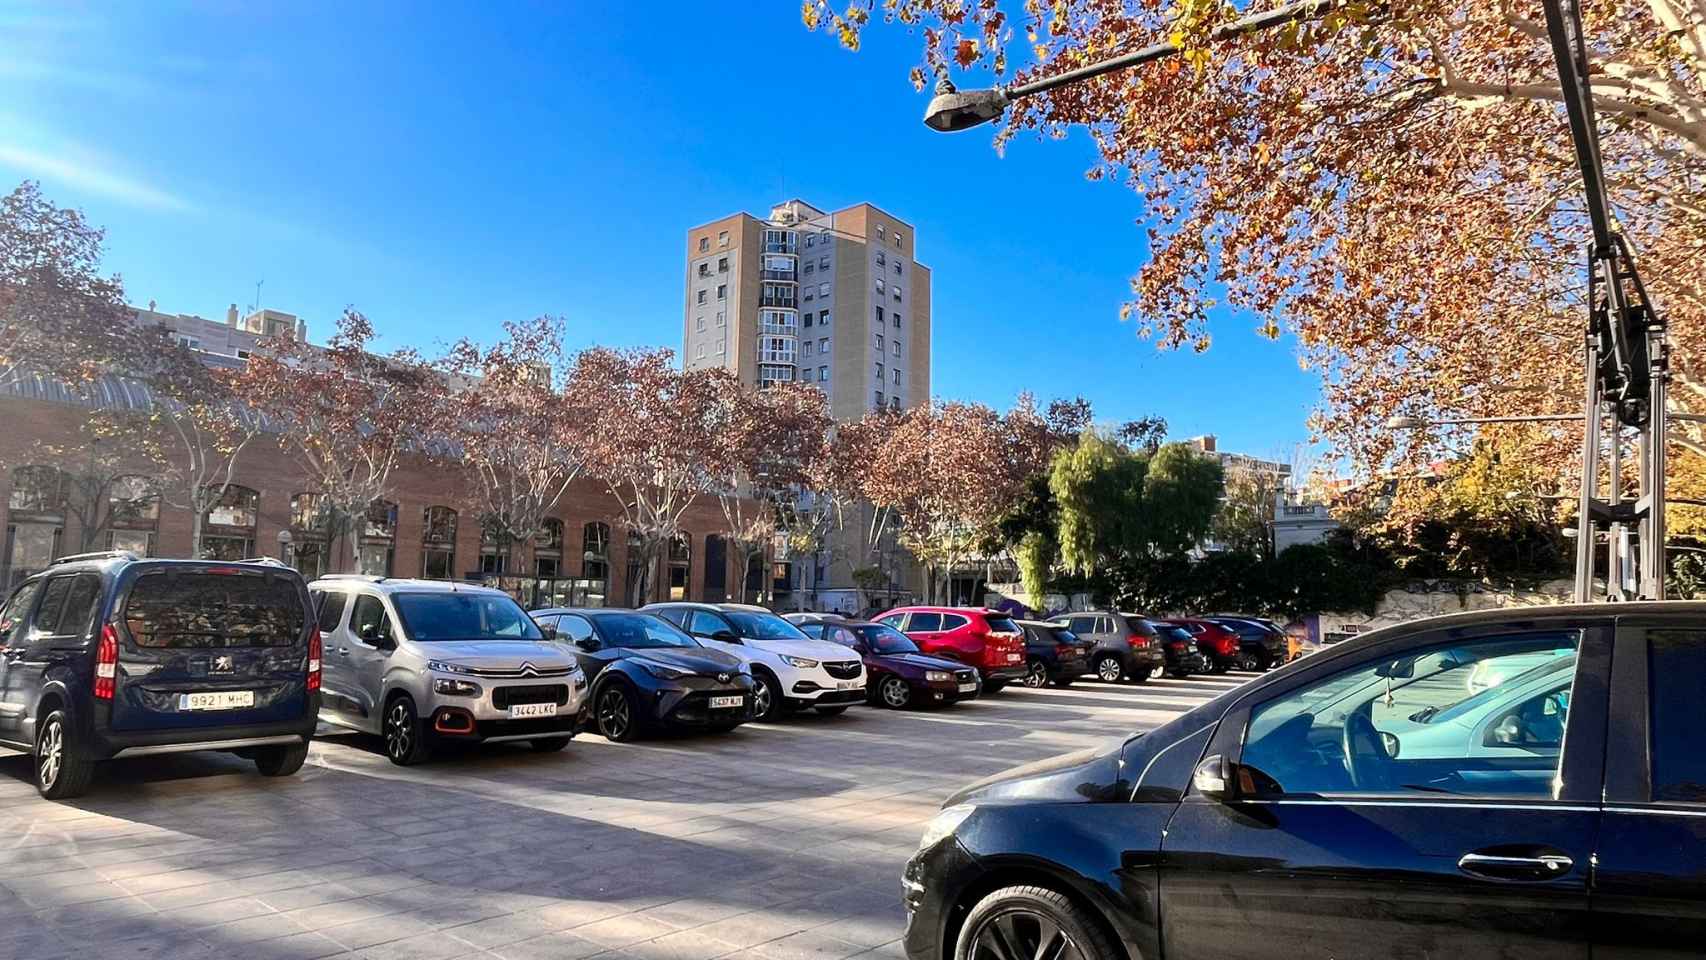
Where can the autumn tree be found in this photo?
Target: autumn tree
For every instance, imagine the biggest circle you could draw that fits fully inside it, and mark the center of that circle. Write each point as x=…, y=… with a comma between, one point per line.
x=58, y=315
x=522, y=437
x=1392, y=185
x=658, y=445
x=1244, y=521
x=101, y=481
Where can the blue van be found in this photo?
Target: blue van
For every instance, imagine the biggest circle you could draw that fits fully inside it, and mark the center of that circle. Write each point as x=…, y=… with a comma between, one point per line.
x=107, y=655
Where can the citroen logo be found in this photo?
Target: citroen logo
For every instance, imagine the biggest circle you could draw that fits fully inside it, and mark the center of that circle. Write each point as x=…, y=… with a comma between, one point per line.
x=723, y=678
x=528, y=669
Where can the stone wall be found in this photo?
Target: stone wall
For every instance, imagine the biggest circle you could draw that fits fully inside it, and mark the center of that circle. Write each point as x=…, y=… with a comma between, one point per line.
x=1430, y=598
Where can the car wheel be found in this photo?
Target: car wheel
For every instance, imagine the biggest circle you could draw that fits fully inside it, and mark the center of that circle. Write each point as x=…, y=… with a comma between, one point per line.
x=832, y=711
x=64, y=765
x=616, y=720
x=1109, y=669
x=1250, y=662
x=548, y=744
x=766, y=699
x=1158, y=671
x=895, y=692
x=1031, y=922
x=281, y=761
x=405, y=737
x=1036, y=674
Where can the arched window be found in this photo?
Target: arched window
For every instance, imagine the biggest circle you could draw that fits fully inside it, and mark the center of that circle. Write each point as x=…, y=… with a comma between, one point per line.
x=35, y=520
x=680, y=562
x=228, y=531
x=378, y=538
x=438, y=543
x=133, y=506
x=310, y=525
x=548, y=549
x=592, y=588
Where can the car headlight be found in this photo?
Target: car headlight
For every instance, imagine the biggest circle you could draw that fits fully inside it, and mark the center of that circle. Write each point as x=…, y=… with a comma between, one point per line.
x=452, y=687
x=938, y=676
x=799, y=662
x=944, y=824
x=663, y=671
x=441, y=666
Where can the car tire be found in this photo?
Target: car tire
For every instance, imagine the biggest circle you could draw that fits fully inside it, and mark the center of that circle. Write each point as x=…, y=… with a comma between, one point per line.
x=617, y=716
x=281, y=761
x=832, y=711
x=1109, y=669
x=1249, y=662
x=63, y=764
x=994, y=686
x=548, y=744
x=895, y=693
x=1035, y=921
x=768, y=703
x=1036, y=674
x=405, y=735
x=1159, y=671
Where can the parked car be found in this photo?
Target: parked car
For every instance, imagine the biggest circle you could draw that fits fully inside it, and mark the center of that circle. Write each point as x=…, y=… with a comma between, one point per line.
x=1309, y=813
x=1180, y=650
x=423, y=662
x=108, y=655
x=1262, y=644
x=1218, y=643
x=790, y=671
x=647, y=674
x=1053, y=654
x=900, y=675
x=988, y=641
x=1125, y=646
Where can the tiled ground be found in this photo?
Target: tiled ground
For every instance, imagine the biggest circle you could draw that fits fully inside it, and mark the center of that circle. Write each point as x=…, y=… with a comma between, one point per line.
x=774, y=842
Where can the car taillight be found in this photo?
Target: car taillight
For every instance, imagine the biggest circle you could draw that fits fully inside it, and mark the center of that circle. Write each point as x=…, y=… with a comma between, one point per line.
x=1138, y=641
x=316, y=647
x=1228, y=645
x=1064, y=650
x=106, y=663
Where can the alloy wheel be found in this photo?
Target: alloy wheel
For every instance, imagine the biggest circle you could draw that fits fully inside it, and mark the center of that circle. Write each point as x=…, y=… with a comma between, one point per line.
x=1108, y=669
x=1156, y=673
x=895, y=693
x=51, y=755
x=614, y=716
x=761, y=698
x=1248, y=661
x=399, y=730
x=1036, y=675
x=1023, y=935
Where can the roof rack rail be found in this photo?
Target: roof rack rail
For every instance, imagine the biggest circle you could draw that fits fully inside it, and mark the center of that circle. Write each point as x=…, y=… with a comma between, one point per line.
x=267, y=561
x=97, y=555
x=370, y=578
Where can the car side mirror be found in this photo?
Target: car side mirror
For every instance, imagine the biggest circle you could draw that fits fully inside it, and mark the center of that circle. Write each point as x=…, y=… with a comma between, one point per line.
x=1216, y=779
x=588, y=644
x=548, y=631
x=371, y=636
x=725, y=636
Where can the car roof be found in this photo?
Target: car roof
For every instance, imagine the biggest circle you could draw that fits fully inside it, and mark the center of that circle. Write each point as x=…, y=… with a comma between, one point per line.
x=925, y=608
x=581, y=611
x=401, y=584
x=701, y=605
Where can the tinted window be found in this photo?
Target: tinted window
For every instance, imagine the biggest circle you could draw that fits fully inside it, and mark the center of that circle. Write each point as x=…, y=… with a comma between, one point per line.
x=430, y=617
x=14, y=626
x=892, y=620
x=1000, y=623
x=1677, y=674
x=886, y=639
x=1104, y=624
x=675, y=615
x=813, y=630
x=1173, y=633
x=572, y=627
x=369, y=621
x=924, y=623
x=183, y=609
x=953, y=621
x=1484, y=718
x=762, y=626
x=79, y=607
x=639, y=631
x=705, y=624
x=1082, y=624
x=332, y=610
x=52, y=604
x=841, y=635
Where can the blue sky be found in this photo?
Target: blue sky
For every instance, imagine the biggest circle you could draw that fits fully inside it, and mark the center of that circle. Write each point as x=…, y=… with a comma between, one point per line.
x=444, y=167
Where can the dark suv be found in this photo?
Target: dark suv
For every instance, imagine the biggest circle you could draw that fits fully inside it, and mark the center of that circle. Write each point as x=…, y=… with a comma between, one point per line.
x=1126, y=646
x=107, y=655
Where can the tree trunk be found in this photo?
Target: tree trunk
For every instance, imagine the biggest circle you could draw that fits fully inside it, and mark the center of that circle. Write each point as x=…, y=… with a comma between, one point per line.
x=196, y=518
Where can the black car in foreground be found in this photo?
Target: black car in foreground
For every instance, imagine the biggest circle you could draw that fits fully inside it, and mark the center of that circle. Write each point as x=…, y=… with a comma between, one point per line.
x=107, y=655
x=1365, y=802
x=646, y=674
x=1053, y=654
x=899, y=675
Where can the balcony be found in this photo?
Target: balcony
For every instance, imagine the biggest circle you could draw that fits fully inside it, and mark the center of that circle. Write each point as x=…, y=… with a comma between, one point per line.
x=781, y=246
x=772, y=355
x=782, y=299
x=779, y=329
x=786, y=276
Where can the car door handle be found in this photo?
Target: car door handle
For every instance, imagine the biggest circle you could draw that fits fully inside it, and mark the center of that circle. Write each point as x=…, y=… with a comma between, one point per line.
x=1541, y=866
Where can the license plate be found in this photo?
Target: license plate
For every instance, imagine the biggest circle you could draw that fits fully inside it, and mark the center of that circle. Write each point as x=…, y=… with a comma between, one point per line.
x=968, y=687
x=1012, y=657
x=848, y=685
x=222, y=700
x=722, y=703
x=522, y=711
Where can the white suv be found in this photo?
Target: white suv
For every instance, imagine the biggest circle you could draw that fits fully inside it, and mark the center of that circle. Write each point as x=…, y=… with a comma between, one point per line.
x=790, y=671
x=419, y=661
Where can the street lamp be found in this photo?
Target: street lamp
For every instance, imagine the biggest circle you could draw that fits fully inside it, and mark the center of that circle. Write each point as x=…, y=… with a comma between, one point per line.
x=950, y=109
x=284, y=541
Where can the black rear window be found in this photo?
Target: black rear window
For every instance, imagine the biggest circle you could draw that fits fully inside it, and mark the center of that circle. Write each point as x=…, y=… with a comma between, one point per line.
x=171, y=609
x=1000, y=623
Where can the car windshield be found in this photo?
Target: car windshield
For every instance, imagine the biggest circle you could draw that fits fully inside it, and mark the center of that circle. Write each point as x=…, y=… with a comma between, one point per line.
x=886, y=639
x=763, y=626
x=640, y=631
x=430, y=617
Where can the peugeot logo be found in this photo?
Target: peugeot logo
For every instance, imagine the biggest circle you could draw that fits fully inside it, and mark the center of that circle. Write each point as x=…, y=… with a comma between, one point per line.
x=224, y=665
x=723, y=678
x=528, y=669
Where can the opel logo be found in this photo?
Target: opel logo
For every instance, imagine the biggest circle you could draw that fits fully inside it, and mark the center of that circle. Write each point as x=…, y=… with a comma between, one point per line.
x=723, y=678
x=528, y=669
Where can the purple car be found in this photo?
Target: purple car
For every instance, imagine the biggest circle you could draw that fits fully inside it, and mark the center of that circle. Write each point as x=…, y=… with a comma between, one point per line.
x=897, y=674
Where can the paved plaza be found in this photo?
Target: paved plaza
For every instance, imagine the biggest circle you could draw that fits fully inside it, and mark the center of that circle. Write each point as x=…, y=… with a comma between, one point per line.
x=778, y=842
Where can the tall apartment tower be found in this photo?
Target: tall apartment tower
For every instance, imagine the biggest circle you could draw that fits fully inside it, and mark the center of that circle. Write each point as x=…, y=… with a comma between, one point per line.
x=832, y=299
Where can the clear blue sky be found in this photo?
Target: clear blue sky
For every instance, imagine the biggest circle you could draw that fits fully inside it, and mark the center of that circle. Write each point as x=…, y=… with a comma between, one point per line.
x=444, y=167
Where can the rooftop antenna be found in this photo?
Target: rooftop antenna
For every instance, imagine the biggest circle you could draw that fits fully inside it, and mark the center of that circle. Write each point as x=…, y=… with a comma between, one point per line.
x=257, y=304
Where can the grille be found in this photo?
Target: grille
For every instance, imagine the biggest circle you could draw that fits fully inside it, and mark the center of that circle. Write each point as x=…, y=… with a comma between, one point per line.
x=842, y=669
x=965, y=676
x=516, y=673
x=505, y=697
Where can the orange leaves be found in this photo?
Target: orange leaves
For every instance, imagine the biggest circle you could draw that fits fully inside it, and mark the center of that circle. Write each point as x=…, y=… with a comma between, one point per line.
x=965, y=52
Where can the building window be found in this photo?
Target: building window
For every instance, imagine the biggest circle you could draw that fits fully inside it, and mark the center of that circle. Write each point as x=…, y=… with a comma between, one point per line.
x=879, y=372
x=897, y=240
x=680, y=561
x=809, y=267
x=310, y=527
x=595, y=563
x=880, y=400
x=880, y=285
x=823, y=345
x=823, y=374
x=878, y=341
x=806, y=349
x=823, y=263
x=896, y=294
x=700, y=296
x=808, y=294
x=810, y=239
x=825, y=238
x=897, y=321
x=881, y=231
x=897, y=348
x=699, y=352
x=823, y=289
x=881, y=259
x=704, y=244
x=134, y=510
x=228, y=531
x=438, y=543
x=897, y=377
x=722, y=264
x=722, y=348
x=894, y=402
x=723, y=239
x=823, y=319
x=879, y=316
x=808, y=321
x=704, y=271
x=37, y=521
x=548, y=549
x=897, y=266
x=699, y=324
x=378, y=539
x=722, y=291
x=721, y=318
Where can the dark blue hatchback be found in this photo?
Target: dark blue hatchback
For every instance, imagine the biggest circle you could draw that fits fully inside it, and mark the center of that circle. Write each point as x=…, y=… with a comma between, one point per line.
x=107, y=655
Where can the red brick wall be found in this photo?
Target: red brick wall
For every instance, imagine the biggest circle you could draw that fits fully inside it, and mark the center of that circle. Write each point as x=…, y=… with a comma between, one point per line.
x=415, y=486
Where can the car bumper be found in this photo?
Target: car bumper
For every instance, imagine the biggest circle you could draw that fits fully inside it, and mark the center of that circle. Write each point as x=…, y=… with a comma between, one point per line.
x=802, y=696
x=929, y=884
x=465, y=716
x=692, y=708
x=1190, y=663
x=115, y=744
x=1143, y=661
x=1006, y=672
x=926, y=692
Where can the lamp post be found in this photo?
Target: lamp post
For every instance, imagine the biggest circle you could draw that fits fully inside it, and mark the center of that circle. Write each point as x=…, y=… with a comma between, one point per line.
x=284, y=541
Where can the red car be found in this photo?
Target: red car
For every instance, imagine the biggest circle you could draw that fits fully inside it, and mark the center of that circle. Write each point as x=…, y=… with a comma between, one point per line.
x=1219, y=645
x=986, y=639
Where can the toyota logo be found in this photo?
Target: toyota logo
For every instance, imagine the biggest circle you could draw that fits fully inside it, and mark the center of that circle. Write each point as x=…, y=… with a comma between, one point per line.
x=723, y=678
x=529, y=670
